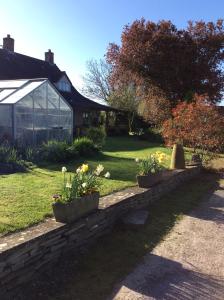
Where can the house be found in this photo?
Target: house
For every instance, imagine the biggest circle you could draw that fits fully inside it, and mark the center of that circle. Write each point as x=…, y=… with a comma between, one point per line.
x=14, y=66
x=32, y=112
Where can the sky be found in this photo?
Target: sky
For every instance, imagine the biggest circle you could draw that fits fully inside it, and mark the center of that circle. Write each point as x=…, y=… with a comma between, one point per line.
x=79, y=30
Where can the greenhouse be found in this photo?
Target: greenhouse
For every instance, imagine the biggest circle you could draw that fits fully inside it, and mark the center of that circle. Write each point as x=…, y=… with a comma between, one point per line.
x=32, y=112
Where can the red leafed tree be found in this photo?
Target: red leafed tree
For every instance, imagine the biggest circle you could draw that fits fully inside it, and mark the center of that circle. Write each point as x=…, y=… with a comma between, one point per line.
x=198, y=125
x=176, y=62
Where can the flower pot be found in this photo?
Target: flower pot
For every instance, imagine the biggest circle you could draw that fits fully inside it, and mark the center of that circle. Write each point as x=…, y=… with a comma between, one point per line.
x=77, y=208
x=146, y=181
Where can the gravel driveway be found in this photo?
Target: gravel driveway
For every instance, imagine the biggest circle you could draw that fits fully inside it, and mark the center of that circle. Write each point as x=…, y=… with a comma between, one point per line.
x=187, y=264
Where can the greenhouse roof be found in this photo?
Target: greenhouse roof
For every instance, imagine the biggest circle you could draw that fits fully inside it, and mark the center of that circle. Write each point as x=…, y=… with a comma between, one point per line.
x=11, y=91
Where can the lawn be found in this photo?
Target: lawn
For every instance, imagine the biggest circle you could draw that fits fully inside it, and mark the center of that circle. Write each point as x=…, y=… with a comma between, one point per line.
x=26, y=197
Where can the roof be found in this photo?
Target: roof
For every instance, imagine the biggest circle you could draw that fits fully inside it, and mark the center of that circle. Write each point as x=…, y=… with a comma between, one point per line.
x=77, y=100
x=13, y=91
x=18, y=66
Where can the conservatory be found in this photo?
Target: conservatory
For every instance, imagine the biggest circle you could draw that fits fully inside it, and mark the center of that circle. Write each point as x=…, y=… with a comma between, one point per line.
x=32, y=112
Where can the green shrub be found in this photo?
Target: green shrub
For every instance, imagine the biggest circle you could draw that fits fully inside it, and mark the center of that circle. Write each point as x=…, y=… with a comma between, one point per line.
x=30, y=154
x=97, y=135
x=84, y=146
x=72, y=152
x=152, y=134
x=55, y=151
x=10, y=159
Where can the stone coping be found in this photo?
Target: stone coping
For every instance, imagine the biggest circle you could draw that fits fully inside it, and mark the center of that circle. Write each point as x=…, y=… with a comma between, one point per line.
x=49, y=225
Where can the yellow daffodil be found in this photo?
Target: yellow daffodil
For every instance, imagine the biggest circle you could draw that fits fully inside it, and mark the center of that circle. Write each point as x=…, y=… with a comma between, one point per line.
x=84, y=168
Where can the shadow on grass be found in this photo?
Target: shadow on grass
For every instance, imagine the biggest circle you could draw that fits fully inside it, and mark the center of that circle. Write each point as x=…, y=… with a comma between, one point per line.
x=111, y=259
x=127, y=143
x=123, y=169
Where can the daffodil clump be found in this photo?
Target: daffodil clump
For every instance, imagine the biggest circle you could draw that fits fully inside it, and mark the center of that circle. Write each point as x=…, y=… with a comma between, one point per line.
x=83, y=182
x=154, y=163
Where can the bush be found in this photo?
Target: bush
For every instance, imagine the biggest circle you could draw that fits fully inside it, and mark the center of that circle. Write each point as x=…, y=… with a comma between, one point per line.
x=152, y=134
x=10, y=160
x=30, y=154
x=84, y=146
x=55, y=151
x=97, y=135
x=197, y=125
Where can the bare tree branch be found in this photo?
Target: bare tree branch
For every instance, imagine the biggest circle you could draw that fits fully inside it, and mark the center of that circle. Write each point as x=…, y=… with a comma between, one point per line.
x=96, y=79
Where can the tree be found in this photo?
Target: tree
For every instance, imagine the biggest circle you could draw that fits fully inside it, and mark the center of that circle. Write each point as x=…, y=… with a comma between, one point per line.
x=125, y=99
x=178, y=62
x=198, y=125
x=154, y=107
x=96, y=80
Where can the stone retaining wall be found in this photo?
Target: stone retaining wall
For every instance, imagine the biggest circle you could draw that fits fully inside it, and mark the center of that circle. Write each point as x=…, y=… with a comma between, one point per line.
x=26, y=253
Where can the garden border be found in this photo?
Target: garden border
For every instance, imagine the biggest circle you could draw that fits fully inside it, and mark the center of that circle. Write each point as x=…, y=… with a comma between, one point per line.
x=26, y=253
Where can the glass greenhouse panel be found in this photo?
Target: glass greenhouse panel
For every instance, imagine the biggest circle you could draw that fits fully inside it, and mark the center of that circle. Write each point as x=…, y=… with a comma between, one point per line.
x=24, y=120
x=6, y=132
x=40, y=99
x=40, y=116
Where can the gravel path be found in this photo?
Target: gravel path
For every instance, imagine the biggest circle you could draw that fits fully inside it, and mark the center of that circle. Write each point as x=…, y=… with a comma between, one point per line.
x=187, y=264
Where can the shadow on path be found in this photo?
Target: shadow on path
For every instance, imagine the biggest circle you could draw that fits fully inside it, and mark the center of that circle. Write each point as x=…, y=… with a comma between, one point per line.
x=161, y=278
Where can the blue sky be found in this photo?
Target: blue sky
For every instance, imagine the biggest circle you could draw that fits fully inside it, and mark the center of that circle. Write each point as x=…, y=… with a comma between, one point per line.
x=82, y=29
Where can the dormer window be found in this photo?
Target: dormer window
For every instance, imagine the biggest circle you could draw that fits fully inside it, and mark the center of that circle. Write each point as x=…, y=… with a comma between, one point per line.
x=64, y=86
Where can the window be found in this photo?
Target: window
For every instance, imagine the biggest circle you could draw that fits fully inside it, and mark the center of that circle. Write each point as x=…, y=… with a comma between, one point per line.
x=85, y=117
x=64, y=86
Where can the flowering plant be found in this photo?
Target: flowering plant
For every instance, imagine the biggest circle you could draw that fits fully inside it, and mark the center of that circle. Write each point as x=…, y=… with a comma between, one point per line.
x=82, y=182
x=151, y=164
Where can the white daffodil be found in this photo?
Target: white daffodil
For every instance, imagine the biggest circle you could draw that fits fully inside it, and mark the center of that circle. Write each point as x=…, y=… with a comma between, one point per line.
x=99, y=170
x=137, y=160
x=107, y=175
x=78, y=170
x=84, y=184
x=68, y=185
x=64, y=170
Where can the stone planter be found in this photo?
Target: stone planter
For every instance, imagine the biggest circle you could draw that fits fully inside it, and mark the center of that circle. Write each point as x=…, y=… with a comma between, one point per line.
x=146, y=181
x=79, y=207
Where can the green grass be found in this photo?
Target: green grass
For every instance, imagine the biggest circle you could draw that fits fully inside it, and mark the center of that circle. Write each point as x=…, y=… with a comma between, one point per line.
x=26, y=197
x=111, y=259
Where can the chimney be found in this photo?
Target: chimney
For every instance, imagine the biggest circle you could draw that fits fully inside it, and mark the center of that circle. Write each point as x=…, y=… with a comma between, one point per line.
x=8, y=43
x=49, y=56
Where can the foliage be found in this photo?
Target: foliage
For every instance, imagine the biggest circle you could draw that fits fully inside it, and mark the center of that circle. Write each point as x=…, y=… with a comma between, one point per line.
x=82, y=182
x=152, y=164
x=125, y=98
x=196, y=125
x=54, y=151
x=31, y=154
x=84, y=146
x=152, y=134
x=176, y=62
x=96, y=80
x=154, y=106
x=9, y=155
x=97, y=135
